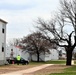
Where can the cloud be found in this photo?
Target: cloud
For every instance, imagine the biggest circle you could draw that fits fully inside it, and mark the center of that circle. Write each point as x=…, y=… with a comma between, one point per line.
x=21, y=14
x=15, y=4
x=25, y=4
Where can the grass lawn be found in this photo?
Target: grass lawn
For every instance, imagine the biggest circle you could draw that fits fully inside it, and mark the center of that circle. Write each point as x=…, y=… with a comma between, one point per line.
x=50, y=62
x=68, y=71
x=63, y=73
x=56, y=62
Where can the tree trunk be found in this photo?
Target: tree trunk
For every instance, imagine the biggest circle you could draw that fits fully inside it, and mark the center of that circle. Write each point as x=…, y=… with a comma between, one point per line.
x=37, y=56
x=69, y=57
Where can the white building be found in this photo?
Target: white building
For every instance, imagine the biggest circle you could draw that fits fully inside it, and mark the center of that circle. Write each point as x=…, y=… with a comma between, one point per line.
x=53, y=55
x=2, y=41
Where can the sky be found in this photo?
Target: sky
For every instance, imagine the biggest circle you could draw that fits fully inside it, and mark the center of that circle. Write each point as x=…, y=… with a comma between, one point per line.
x=21, y=15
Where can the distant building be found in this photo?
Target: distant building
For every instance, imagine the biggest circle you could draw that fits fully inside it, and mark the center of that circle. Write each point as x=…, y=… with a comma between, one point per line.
x=2, y=41
x=52, y=55
x=13, y=51
x=62, y=53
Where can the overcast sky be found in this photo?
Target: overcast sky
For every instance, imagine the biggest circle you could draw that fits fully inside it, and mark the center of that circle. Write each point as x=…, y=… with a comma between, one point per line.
x=21, y=14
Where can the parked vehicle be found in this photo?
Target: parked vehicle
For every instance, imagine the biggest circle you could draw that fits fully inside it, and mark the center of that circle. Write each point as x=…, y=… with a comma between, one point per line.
x=14, y=61
x=23, y=61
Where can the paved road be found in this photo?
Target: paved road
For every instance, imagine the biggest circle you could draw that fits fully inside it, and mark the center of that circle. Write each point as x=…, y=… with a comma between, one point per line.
x=27, y=71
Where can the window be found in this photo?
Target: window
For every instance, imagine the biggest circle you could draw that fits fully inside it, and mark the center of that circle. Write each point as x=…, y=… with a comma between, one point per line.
x=11, y=49
x=12, y=53
x=3, y=28
x=2, y=47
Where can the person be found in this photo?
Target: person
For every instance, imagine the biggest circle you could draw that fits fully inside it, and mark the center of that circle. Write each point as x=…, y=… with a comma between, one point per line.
x=18, y=59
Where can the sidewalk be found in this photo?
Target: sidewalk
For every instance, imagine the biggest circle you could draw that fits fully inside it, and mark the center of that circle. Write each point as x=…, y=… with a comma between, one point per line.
x=30, y=70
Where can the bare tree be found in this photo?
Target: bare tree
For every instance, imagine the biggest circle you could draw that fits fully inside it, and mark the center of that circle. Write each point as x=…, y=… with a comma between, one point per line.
x=14, y=41
x=61, y=29
x=36, y=43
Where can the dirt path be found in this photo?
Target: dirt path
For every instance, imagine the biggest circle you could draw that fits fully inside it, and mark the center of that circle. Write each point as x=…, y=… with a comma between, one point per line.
x=48, y=70
x=44, y=71
x=29, y=70
x=11, y=68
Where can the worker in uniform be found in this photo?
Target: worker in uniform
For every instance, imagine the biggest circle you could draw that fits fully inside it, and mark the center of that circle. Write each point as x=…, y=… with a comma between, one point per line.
x=18, y=59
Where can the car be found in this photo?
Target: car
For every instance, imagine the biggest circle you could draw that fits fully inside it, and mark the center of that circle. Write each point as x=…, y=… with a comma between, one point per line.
x=14, y=61
x=24, y=62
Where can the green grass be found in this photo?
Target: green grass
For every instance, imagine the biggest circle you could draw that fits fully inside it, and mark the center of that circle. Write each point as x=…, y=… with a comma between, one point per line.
x=36, y=63
x=50, y=62
x=56, y=62
x=68, y=71
x=71, y=73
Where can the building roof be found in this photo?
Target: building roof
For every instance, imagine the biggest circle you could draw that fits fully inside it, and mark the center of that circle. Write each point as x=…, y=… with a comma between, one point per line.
x=3, y=21
x=18, y=47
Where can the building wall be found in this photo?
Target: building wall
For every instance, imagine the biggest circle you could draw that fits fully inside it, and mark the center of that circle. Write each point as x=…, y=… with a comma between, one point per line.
x=2, y=42
x=16, y=51
x=25, y=55
x=53, y=55
x=48, y=57
x=34, y=57
x=2, y=62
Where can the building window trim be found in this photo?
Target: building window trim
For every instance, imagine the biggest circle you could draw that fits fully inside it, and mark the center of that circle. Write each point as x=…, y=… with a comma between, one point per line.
x=2, y=47
x=3, y=28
